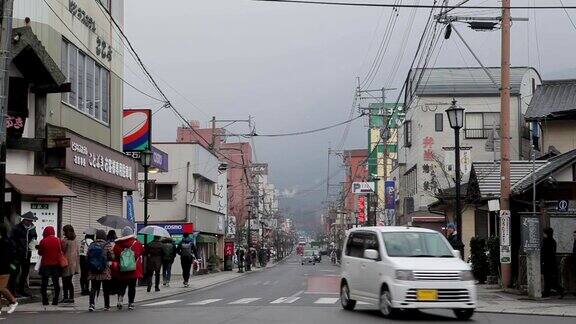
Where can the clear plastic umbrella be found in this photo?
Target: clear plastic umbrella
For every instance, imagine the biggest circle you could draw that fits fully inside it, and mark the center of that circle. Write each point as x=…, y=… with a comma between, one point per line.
x=154, y=231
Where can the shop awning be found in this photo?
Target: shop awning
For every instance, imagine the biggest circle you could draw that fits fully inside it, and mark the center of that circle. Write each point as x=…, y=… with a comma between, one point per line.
x=201, y=238
x=43, y=186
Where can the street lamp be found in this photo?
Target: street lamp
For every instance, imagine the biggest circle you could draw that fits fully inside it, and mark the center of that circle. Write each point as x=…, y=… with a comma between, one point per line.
x=456, y=118
x=146, y=160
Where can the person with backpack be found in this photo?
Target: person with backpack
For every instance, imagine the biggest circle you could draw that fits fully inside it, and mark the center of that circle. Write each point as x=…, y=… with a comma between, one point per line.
x=50, y=250
x=84, y=283
x=128, y=255
x=70, y=250
x=187, y=256
x=99, y=257
x=168, y=259
x=154, y=257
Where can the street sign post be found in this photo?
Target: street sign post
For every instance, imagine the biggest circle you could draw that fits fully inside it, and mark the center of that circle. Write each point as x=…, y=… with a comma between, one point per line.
x=505, y=253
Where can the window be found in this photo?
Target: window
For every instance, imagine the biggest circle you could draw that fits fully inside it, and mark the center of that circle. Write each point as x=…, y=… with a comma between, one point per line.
x=204, y=190
x=407, y=133
x=355, y=245
x=416, y=244
x=164, y=191
x=371, y=242
x=439, y=122
x=90, y=90
x=481, y=125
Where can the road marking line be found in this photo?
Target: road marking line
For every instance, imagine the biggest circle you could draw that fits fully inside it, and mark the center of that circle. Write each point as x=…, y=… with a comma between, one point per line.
x=326, y=300
x=205, y=302
x=266, y=283
x=244, y=301
x=362, y=303
x=279, y=300
x=290, y=300
x=320, y=293
x=165, y=302
x=276, y=282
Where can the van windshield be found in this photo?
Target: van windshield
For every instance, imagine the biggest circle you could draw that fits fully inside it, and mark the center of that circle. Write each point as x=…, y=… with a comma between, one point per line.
x=414, y=245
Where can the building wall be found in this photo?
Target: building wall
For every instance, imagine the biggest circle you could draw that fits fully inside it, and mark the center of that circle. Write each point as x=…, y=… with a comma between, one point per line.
x=187, y=162
x=426, y=151
x=50, y=30
x=558, y=133
x=355, y=162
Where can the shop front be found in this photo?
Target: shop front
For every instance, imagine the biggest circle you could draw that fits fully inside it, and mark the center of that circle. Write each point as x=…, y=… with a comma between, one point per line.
x=97, y=174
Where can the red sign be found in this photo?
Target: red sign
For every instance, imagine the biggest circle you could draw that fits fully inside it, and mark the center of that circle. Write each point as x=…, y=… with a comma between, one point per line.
x=361, y=209
x=228, y=248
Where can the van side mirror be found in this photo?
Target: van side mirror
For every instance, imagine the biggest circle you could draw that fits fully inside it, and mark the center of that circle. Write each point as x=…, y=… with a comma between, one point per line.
x=457, y=254
x=371, y=254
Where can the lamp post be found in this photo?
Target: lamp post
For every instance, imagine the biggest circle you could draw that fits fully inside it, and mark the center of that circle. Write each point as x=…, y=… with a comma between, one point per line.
x=146, y=160
x=456, y=118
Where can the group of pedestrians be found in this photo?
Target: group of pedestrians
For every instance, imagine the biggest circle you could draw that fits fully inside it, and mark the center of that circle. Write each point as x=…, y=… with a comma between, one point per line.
x=248, y=258
x=103, y=261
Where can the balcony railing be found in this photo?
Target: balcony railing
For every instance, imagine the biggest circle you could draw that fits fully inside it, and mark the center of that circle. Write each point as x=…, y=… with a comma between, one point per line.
x=480, y=133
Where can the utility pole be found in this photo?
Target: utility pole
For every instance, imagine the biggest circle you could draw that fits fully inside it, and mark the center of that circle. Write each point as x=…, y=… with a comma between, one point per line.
x=213, y=141
x=505, y=242
x=328, y=175
x=5, y=53
x=533, y=271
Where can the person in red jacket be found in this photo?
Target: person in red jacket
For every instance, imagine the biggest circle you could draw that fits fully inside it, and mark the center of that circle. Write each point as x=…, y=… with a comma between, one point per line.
x=50, y=250
x=128, y=279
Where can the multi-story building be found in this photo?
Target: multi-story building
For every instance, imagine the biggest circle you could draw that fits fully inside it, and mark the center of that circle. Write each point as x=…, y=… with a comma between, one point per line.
x=355, y=162
x=193, y=190
x=64, y=158
x=238, y=156
x=426, y=141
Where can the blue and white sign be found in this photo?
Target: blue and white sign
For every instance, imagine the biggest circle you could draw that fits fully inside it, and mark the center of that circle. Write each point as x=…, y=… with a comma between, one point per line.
x=130, y=208
x=563, y=205
x=173, y=228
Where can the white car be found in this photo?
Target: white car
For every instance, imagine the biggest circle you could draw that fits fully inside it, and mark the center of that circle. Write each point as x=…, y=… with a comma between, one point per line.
x=405, y=268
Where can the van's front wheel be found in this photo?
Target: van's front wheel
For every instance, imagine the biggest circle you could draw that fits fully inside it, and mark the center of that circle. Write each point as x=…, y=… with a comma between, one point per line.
x=345, y=301
x=385, y=306
x=463, y=314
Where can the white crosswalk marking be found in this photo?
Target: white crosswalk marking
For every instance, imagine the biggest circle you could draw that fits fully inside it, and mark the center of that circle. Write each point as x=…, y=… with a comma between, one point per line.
x=244, y=301
x=205, y=302
x=285, y=300
x=362, y=303
x=326, y=300
x=165, y=302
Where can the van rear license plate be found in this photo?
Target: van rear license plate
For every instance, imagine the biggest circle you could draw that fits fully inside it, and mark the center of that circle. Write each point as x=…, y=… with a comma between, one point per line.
x=427, y=294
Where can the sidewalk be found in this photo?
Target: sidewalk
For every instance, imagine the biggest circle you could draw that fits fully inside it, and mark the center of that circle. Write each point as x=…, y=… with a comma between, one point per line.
x=176, y=288
x=497, y=301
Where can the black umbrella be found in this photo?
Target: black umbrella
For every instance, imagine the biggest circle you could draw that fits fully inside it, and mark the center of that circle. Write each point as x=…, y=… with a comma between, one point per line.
x=116, y=222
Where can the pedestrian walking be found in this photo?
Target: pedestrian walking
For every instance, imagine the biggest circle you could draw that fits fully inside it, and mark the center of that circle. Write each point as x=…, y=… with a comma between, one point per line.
x=7, y=256
x=453, y=239
x=169, y=251
x=549, y=266
x=248, y=260
x=240, y=256
x=154, y=256
x=253, y=257
x=71, y=251
x=100, y=256
x=187, y=254
x=111, y=238
x=50, y=251
x=84, y=282
x=128, y=254
x=25, y=238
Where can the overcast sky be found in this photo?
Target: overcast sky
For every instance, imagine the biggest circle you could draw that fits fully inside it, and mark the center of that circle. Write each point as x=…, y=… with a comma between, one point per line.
x=294, y=67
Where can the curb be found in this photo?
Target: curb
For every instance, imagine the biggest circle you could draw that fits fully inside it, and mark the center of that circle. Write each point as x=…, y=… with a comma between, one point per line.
x=522, y=313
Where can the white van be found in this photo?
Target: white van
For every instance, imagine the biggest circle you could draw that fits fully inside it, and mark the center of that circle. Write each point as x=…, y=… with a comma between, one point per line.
x=405, y=268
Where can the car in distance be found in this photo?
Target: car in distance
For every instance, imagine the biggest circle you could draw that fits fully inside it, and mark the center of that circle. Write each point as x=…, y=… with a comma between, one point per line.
x=308, y=257
x=405, y=268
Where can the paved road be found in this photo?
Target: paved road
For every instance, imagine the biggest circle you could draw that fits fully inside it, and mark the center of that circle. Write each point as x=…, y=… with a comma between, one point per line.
x=287, y=293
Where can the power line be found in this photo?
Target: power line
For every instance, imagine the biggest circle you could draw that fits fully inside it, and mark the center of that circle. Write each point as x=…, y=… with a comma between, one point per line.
x=359, y=4
x=308, y=131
